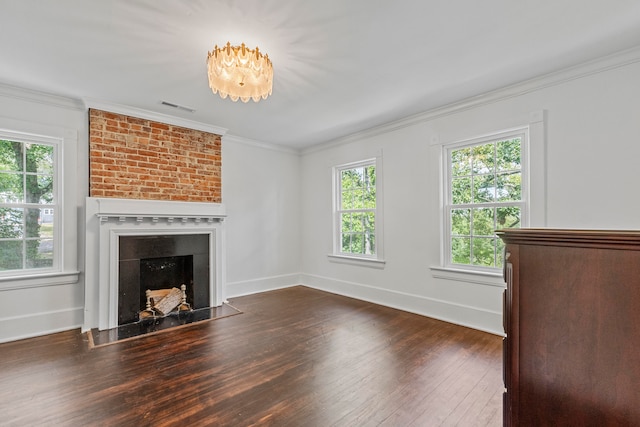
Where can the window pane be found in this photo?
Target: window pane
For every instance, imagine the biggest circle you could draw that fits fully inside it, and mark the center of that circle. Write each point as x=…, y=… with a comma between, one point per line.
x=370, y=176
x=39, y=159
x=346, y=222
x=483, y=189
x=461, y=162
x=11, y=156
x=39, y=188
x=370, y=218
x=357, y=243
x=11, y=188
x=461, y=191
x=369, y=196
x=346, y=200
x=11, y=223
x=39, y=253
x=508, y=217
x=32, y=193
x=344, y=180
x=46, y=223
x=509, y=187
x=483, y=251
x=372, y=244
x=461, y=222
x=358, y=199
x=483, y=224
x=346, y=242
x=11, y=255
x=483, y=159
x=461, y=250
x=32, y=222
x=359, y=177
x=508, y=154
x=357, y=223
x=369, y=201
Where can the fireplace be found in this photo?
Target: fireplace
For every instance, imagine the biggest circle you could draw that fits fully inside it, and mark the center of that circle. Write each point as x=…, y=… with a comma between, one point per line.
x=135, y=245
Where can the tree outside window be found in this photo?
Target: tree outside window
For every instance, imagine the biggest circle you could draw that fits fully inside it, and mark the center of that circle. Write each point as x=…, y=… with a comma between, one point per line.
x=485, y=194
x=26, y=190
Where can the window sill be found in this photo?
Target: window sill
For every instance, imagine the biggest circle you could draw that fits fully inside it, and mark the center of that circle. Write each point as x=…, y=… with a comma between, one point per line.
x=363, y=262
x=9, y=283
x=480, y=277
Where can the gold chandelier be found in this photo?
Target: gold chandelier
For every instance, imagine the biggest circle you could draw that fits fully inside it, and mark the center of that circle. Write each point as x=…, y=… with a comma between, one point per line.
x=240, y=73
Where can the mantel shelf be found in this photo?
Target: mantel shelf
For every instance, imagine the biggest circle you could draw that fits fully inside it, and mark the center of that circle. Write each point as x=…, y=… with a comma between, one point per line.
x=154, y=211
x=104, y=217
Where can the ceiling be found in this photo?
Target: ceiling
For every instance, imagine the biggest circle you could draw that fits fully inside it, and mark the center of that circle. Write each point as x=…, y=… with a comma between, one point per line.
x=341, y=66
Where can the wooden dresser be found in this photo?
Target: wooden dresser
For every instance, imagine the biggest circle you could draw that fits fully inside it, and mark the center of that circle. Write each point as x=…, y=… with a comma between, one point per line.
x=572, y=324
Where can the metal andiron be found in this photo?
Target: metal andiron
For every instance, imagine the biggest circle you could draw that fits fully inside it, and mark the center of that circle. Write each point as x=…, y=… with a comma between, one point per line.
x=162, y=302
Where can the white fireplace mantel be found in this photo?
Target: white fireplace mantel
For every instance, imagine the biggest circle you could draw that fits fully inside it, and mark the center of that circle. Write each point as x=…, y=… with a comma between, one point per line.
x=119, y=208
x=107, y=219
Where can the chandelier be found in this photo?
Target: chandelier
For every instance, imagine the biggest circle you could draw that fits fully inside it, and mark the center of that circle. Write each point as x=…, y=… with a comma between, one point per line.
x=240, y=73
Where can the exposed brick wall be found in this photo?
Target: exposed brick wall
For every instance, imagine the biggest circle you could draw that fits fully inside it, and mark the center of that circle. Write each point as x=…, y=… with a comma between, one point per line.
x=133, y=158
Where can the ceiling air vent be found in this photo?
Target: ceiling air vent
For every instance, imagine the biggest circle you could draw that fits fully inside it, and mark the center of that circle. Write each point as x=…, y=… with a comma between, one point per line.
x=178, y=106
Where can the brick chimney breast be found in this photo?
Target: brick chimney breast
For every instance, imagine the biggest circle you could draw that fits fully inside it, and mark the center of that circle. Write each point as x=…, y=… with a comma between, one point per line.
x=133, y=158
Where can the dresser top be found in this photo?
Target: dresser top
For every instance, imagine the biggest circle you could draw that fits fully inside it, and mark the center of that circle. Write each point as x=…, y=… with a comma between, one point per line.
x=612, y=239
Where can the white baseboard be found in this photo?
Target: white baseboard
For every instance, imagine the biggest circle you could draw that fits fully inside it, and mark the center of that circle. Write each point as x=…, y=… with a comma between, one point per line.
x=37, y=324
x=468, y=316
x=263, y=284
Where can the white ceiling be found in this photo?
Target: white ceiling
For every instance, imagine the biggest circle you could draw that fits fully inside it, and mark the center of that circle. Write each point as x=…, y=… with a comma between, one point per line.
x=341, y=66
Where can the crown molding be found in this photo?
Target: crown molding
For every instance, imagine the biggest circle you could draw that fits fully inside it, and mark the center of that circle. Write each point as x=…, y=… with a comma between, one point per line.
x=15, y=92
x=153, y=116
x=585, y=69
x=259, y=144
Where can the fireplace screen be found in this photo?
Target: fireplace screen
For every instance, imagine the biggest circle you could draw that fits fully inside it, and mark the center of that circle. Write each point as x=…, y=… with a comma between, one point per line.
x=161, y=262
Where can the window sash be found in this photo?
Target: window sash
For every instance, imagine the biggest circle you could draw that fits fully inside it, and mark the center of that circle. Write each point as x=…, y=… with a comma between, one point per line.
x=449, y=206
x=54, y=206
x=339, y=210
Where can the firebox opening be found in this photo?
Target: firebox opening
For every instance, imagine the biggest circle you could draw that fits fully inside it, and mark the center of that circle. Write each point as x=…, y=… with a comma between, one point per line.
x=161, y=262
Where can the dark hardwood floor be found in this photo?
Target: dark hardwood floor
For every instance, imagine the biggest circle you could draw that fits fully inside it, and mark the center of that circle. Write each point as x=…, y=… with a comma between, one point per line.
x=294, y=357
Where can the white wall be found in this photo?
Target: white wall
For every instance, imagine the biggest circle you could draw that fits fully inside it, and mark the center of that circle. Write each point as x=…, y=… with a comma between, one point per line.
x=591, y=132
x=261, y=191
x=51, y=304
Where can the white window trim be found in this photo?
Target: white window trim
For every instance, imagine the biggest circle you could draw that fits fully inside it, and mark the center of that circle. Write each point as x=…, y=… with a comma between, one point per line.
x=523, y=133
x=375, y=260
x=534, y=176
x=65, y=269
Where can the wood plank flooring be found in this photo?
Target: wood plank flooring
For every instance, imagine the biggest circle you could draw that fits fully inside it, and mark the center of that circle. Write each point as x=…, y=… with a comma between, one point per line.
x=294, y=357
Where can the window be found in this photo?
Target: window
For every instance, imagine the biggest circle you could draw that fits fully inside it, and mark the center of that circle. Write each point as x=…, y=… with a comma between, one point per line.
x=485, y=190
x=29, y=210
x=357, y=223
